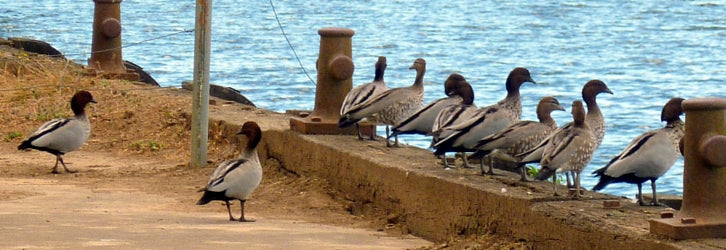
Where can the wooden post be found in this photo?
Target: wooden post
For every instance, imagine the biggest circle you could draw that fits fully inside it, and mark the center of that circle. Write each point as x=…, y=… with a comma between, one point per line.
x=200, y=91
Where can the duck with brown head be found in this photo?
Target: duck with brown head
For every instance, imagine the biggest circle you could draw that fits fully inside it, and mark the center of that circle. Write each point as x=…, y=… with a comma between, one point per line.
x=60, y=136
x=648, y=156
x=235, y=179
x=391, y=106
x=422, y=121
x=463, y=136
x=455, y=113
x=594, y=119
x=570, y=149
x=364, y=92
x=519, y=137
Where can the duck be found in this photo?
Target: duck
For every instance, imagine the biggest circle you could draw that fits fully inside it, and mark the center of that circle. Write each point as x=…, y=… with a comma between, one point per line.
x=236, y=179
x=519, y=137
x=422, y=121
x=648, y=156
x=463, y=136
x=454, y=114
x=594, y=119
x=392, y=105
x=61, y=136
x=364, y=92
x=570, y=149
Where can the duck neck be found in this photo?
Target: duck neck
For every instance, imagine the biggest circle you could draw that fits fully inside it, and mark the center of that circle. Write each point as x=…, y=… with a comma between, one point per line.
x=467, y=99
x=78, y=110
x=513, y=94
x=252, y=143
x=592, y=107
x=514, y=102
x=420, y=71
x=546, y=119
x=466, y=93
x=250, y=155
x=80, y=115
x=512, y=88
x=379, y=75
x=513, y=97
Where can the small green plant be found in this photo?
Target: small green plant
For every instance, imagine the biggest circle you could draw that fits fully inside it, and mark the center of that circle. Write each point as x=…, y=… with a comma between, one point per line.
x=142, y=145
x=12, y=135
x=532, y=172
x=154, y=146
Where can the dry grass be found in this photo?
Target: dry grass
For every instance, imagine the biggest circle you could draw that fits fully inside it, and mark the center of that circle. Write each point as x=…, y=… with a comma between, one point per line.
x=128, y=116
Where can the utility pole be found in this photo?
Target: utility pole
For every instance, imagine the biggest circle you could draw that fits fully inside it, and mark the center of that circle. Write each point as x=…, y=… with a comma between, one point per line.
x=200, y=83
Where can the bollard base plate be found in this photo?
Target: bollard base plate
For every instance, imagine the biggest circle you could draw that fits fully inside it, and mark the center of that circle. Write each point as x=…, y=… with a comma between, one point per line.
x=675, y=228
x=128, y=76
x=319, y=127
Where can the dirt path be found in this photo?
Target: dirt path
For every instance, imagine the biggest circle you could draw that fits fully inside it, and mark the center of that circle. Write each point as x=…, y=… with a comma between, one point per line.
x=130, y=203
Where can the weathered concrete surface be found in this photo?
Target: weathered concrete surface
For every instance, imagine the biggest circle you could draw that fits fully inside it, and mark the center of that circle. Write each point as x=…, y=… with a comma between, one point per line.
x=52, y=215
x=437, y=204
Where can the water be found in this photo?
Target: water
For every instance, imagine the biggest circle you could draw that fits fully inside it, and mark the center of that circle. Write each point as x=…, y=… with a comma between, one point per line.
x=646, y=52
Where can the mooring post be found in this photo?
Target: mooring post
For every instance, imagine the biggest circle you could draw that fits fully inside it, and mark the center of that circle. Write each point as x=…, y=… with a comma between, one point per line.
x=335, y=72
x=106, y=57
x=703, y=213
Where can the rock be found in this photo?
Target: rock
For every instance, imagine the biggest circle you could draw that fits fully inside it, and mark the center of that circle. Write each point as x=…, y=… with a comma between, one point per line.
x=226, y=93
x=143, y=76
x=35, y=46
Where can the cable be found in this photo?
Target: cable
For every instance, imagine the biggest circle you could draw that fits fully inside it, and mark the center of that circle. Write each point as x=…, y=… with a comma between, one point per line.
x=93, y=89
x=290, y=44
x=134, y=43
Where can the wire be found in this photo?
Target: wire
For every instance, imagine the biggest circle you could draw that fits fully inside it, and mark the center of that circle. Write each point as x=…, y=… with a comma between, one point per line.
x=91, y=89
x=134, y=43
x=290, y=44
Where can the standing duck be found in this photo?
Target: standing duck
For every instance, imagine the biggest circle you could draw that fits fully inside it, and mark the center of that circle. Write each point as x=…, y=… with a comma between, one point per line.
x=60, y=136
x=462, y=137
x=521, y=136
x=648, y=156
x=454, y=114
x=570, y=149
x=237, y=178
x=366, y=91
x=594, y=119
x=392, y=105
x=422, y=121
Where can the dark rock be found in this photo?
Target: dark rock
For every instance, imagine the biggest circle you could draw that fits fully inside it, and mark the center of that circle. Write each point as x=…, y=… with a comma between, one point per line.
x=35, y=46
x=143, y=76
x=226, y=93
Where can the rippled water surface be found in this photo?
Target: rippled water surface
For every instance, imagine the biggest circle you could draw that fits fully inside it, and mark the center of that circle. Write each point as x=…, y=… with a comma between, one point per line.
x=646, y=52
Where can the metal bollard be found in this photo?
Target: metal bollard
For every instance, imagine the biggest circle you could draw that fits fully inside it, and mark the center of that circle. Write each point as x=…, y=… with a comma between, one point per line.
x=335, y=72
x=106, y=53
x=704, y=176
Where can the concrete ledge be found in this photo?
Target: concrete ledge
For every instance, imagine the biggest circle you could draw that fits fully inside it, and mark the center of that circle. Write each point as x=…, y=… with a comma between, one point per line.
x=437, y=204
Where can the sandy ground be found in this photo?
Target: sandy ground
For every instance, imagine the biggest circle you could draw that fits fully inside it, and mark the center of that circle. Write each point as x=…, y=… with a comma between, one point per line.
x=113, y=202
x=134, y=188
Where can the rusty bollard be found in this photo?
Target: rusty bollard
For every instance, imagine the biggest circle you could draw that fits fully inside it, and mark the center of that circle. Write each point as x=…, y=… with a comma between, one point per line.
x=703, y=213
x=106, y=56
x=335, y=72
